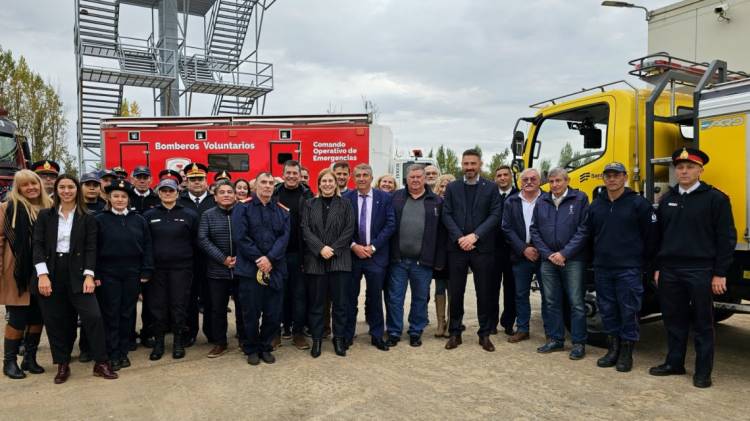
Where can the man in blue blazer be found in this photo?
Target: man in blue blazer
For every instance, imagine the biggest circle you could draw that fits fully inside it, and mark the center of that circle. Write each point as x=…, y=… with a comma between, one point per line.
x=375, y=223
x=471, y=214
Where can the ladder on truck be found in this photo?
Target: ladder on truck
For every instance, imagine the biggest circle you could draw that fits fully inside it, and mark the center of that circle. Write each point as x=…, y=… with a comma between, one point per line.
x=664, y=71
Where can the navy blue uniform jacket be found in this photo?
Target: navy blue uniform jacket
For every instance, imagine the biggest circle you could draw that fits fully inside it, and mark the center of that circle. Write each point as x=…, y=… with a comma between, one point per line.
x=260, y=230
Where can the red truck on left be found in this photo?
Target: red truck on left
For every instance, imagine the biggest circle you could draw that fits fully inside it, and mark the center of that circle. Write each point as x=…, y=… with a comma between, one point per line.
x=14, y=153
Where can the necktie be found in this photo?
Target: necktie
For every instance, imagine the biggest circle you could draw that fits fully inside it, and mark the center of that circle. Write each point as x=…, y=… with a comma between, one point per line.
x=502, y=196
x=197, y=201
x=363, y=220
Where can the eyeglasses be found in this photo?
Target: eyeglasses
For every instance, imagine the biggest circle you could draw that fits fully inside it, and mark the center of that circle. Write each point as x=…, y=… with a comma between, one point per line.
x=529, y=179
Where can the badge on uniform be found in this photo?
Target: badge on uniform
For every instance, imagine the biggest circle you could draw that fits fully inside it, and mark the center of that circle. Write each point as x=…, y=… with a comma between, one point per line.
x=262, y=278
x=672, y=204
x=570, y=210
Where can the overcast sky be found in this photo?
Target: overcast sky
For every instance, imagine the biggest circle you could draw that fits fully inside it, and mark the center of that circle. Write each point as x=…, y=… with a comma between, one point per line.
x=456, y=73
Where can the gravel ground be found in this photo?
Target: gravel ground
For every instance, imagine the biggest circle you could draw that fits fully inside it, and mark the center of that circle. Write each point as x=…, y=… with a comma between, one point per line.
x=405, y=383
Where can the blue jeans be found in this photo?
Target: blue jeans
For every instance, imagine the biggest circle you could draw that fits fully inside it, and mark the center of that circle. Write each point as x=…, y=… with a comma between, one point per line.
x=417, y=277
x=566, y=280
x=441, y=284
x=523, y=271
x=619, y=293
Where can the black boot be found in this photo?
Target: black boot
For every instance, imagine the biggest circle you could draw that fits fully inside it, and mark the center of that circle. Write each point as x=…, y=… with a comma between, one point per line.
x=625, y=360
x=178, y=347
x=29, y=357
x=10, y=361
x=158, y=350
x=339, y=346
x=610, y=358
x=316, y=347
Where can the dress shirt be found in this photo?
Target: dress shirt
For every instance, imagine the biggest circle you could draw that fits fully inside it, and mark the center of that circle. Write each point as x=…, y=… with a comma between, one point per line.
x=370, y=204
x=200, y=198
x=118, y=213
x=691, y=188
x=528, y=212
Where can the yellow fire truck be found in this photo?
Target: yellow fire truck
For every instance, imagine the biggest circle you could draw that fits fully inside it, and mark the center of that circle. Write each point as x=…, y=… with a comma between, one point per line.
x=688, y=104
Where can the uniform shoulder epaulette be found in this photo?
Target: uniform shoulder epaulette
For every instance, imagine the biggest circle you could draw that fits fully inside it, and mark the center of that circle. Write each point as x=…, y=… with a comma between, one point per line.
x=722, y=193
x=282, y=206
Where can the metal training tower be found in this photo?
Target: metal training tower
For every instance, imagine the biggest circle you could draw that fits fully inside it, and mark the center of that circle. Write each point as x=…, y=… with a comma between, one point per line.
x=106, y=61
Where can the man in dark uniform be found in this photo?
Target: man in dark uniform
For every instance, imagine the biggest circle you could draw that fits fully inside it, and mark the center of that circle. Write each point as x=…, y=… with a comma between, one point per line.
x=197, y=198
x=48, y=171
x=697, y=243
x=260, y=229
x=292, y=194
x=106, y=177
x=504, y=267
x=622, y=224
x=142, y=197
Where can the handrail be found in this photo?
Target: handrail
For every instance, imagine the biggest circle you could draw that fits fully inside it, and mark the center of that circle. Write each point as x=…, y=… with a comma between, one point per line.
x=582, y=91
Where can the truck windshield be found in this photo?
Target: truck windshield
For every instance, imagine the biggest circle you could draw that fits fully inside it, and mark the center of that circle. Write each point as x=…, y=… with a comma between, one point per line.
x=7, y=150
x=568, y=139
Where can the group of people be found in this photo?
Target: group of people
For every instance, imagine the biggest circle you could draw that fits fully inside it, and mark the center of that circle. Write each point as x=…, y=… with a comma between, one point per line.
x=82, y=252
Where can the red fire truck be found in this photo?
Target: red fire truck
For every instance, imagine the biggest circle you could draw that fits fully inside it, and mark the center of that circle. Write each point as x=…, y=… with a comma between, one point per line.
x=14, y=153
x=247, y=145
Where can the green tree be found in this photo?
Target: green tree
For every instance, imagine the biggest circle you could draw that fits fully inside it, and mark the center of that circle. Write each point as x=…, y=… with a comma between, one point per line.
x=37, y=109
x=497, y=160
x=129, y=109
x=566, y=154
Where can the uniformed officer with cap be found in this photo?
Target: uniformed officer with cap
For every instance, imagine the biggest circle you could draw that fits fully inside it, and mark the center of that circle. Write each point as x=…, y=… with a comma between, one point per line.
x=48, y=170
x=222, y=175
x=173, y=232
x=120, y=173
x=92, y=192
x=106, y=177
x=622, y=224
x=697, y=243
x=198, y=199
x=169, y=173
x=143, y=198
x=261, y=229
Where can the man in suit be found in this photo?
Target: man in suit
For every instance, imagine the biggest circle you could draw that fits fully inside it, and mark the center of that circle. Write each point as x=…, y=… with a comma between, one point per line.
x=197, y=198
x=471, y=214
x=376, y=222
x=341, y=171
x=504, y=269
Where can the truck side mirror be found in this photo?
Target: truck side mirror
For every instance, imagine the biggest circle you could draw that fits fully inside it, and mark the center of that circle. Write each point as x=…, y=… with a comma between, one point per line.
x=517, y=144
x=592, y=138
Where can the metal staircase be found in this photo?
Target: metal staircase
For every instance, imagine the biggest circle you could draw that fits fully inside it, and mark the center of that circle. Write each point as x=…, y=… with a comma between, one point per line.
x=97, y=100
x=232, y=105
x=97, y=26
x=226, y=32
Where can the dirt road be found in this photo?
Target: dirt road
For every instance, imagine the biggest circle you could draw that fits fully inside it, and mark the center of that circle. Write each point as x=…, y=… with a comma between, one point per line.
x=405, y=383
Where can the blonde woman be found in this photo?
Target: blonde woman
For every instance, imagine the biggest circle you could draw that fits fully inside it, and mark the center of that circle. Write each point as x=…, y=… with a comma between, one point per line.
x=17, y=217
x=441, y=276
x=386, y=183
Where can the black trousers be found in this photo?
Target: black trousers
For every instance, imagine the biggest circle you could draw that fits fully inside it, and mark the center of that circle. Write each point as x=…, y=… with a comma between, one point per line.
x=59, y=313
x=503, y=277
x=482, y=266
x=259, y=301
x=168, y=296
x=118, y=296
x=19, y=317
x=686, y=299
x=319, y=288
x=219, y=291
x=145, y=317
x=295, y=296
x=199, y=299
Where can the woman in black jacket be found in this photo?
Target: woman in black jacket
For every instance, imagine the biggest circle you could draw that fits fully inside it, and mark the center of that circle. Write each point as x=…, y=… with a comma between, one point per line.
x=327, y=229
x=64, y=253
x=124, y=260
x=215, y=239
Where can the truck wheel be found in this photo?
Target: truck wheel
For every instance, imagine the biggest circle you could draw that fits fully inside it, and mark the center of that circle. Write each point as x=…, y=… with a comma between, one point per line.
x=720, y=315
x=596, y=335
